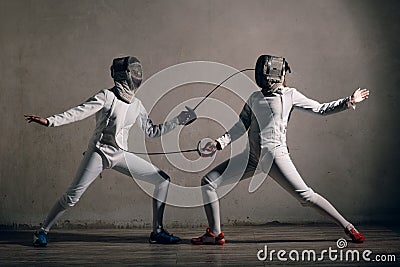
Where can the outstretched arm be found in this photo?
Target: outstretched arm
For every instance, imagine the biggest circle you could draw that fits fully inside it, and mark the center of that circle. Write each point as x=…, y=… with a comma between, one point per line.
x=237, y=130
x=84, y=110
x=303, y=102
x=155, y=130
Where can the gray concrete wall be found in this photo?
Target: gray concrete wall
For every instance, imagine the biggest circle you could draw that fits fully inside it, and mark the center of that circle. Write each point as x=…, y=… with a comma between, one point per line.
x=55, y=54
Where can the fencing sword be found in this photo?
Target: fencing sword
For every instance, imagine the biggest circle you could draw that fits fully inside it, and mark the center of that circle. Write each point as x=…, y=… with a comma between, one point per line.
x=201, y=144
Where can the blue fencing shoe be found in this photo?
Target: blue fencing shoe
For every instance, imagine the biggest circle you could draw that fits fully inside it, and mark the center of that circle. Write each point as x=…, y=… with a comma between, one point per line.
x=39, y=238
x=163, y=237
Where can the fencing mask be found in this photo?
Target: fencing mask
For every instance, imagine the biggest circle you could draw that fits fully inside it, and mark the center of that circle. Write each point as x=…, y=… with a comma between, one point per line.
x=270, y=70
x=127, y=75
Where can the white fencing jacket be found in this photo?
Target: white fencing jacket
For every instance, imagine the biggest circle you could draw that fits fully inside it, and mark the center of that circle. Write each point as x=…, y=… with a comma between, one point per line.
x=265, y=117
x=112, y=120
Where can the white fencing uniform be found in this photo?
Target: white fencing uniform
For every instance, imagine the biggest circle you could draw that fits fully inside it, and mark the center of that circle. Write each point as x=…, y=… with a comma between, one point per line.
x=265, y=118
x=107, y=147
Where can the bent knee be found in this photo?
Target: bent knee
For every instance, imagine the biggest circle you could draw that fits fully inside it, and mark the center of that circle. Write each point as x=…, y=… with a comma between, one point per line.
x=207, y=183
x=211, y=177
x=67, y=200
x=307, y=196
x=205, y=180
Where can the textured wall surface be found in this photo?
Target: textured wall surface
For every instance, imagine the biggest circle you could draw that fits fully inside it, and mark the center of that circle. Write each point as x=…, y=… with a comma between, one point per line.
x=55, y=54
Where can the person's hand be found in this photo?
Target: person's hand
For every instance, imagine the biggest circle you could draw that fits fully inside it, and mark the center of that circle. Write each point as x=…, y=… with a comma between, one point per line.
x=33, y=118
x=209, y=149
x=359, y=95
x=187, y=117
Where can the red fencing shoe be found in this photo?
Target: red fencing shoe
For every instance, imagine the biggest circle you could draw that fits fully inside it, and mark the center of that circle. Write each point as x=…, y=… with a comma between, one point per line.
x=209, y=238
x=355, y=235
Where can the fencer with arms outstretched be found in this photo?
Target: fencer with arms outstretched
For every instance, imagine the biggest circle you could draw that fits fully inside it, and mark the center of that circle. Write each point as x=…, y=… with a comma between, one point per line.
x=107, y=148
x=264, y=117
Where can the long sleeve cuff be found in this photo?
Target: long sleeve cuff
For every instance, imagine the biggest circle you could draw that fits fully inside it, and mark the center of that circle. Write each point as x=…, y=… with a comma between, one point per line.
x=224, y=140
x=349, y=104
x=50, y=121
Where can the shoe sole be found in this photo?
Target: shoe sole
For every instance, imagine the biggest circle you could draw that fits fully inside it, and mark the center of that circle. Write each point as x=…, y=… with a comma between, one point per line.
x=170, y=243
x=40, y=245
x=354, y=240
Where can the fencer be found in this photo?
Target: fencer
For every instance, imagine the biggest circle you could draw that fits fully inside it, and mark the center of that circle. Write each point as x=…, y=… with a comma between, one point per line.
x=265, y=116
x=107, y=148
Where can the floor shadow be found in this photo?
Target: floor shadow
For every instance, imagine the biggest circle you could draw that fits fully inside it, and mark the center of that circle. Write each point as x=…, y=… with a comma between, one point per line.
x=25, y=238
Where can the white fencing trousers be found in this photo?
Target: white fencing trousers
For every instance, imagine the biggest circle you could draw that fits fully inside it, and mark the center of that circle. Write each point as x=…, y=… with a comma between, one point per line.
x=282, y=171
x=95, y=160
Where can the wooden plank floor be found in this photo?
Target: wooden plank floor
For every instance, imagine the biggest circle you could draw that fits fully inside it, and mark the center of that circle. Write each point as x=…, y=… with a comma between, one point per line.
x=115, y=247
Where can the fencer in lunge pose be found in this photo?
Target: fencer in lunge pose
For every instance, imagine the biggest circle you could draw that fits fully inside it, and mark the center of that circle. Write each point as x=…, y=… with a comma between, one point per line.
x=108, y=145
x=265, y=116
